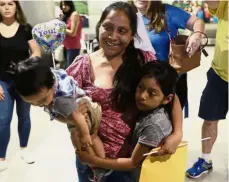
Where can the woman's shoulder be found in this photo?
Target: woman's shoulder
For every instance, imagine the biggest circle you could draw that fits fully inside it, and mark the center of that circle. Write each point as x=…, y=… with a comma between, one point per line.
x=27, y=27
x=26, y=30
x=80, y=69
x=170, y=9
x=80, y=63
x=75, y=14
x=83, y=58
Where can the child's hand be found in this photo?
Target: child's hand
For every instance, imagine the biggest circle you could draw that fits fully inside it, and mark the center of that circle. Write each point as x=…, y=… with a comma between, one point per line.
x=86, y=141
x=170, y=144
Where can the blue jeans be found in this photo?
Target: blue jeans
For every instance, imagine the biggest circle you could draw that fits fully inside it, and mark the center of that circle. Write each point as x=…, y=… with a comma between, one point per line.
x=116, y=176
x=6, y=112
x=71, y=55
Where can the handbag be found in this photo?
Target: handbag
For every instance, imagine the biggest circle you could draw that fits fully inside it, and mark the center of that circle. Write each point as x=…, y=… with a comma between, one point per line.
x=59, y=54
x=178, y=57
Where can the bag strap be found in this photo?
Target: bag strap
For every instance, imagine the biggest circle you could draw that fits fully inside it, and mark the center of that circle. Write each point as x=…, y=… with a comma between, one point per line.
x=166, y=25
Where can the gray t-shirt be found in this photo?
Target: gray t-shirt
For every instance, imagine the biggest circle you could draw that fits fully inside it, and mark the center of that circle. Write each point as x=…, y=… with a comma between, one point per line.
x=65, y=106
x=152, y=128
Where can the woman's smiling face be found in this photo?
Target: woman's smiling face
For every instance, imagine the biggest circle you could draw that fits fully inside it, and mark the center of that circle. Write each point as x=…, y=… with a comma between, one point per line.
x=115, y=33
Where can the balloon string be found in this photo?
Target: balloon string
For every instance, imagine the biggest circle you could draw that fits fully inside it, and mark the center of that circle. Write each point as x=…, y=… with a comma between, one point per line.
x=53, y=60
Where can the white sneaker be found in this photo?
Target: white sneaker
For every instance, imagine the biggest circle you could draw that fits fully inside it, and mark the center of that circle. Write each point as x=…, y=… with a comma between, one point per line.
x=3, y=166
x=26, y=156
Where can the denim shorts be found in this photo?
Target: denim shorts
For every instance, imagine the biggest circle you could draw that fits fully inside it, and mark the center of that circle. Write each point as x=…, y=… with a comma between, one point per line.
x=214, y=99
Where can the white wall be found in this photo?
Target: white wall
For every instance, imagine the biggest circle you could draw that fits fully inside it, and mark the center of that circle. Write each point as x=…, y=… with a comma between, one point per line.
x=38, y=11
x=41, y=11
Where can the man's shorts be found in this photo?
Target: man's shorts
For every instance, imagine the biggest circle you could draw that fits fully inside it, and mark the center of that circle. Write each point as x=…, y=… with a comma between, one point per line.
x=214, y=99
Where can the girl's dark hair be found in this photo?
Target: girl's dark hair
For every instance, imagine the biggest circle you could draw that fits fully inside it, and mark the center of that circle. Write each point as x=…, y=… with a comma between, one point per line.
x=31, y=75
x=71, y=10
x=127, y=74
x=166, y=77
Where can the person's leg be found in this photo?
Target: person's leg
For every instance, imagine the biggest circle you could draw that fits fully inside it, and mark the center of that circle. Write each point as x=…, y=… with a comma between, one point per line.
x=6, y=107
x=71, y=54
x=209, y=129
x=119, y=176
x=98, y=147
x=84, y=172
x=24, y=126
x=213, y=107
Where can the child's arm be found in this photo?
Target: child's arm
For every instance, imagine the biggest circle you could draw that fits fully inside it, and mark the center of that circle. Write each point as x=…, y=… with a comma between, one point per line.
x=150, y=137
x=123, y=164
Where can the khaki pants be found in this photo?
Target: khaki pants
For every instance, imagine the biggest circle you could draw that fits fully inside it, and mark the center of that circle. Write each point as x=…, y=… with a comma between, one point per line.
x=94, y=113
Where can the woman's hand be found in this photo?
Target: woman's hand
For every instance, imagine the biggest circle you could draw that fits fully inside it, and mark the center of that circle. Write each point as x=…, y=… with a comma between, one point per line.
x=194, y=43
x=85, y=157
x=2, y=95
x=170, y=144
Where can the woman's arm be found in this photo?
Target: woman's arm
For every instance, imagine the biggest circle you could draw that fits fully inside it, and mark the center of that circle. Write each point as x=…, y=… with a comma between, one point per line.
x=75, y=19
x=170, y=144
x=196, y=25
x=177, y=117
x=123, y=164
x=34, y=48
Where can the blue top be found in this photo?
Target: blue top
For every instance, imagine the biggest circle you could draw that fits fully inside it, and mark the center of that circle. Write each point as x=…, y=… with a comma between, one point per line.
x=65, y=94
x=176, y=19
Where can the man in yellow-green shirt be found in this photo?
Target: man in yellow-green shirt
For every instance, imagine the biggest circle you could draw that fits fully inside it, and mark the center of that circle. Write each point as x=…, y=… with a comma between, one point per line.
x=214, y=100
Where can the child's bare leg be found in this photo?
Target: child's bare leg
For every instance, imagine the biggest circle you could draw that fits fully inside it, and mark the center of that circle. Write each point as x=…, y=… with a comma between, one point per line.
x=75, y=140
x=98, y=147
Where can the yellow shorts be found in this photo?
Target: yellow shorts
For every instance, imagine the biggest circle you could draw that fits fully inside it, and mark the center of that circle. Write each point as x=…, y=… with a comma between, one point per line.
x=94, y=113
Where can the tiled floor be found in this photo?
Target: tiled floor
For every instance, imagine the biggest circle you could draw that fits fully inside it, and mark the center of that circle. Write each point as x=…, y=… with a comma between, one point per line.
x=51, y=145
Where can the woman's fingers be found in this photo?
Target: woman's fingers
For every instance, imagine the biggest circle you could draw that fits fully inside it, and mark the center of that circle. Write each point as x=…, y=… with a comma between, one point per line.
x=2, y=96
x=194, y=43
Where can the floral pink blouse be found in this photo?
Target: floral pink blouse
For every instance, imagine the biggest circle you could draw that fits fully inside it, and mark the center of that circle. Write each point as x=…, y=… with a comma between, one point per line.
x=114, y=132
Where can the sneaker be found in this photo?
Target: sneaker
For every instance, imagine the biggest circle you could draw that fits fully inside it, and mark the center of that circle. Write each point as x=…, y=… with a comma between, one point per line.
x=100, y=173
x=91, y=176
x=3, y=166
x=199, y=168
x=26, y=156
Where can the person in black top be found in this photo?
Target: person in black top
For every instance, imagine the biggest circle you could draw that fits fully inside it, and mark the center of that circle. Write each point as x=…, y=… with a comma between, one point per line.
x=16, y=44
